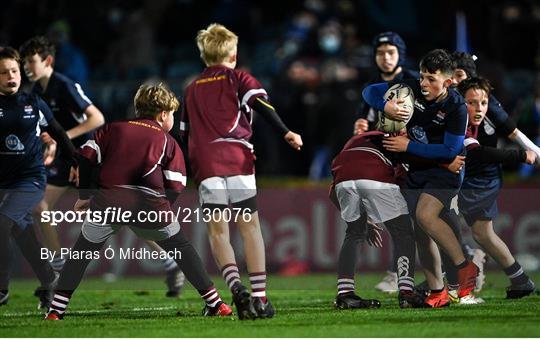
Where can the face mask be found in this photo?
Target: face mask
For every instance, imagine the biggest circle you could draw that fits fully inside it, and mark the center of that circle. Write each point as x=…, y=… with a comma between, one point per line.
x=115, y=16
x=329, y=43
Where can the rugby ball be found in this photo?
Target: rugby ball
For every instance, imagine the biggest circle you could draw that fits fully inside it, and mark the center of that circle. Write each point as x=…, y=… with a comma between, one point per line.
x=397, y=91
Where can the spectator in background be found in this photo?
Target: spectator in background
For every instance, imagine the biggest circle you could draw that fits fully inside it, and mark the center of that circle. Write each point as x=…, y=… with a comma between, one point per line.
x=336, y=100
x=70, y=60
x=296, y=94
x=296, y=35
x=133, y=55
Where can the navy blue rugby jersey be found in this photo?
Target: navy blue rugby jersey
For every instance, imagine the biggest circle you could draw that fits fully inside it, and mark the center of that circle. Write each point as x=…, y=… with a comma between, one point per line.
x=494, y=125
x=67, y=101
x=22, y=118
x=436, y=118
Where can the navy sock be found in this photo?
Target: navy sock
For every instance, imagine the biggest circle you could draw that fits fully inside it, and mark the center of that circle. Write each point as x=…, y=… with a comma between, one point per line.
x=516, y=274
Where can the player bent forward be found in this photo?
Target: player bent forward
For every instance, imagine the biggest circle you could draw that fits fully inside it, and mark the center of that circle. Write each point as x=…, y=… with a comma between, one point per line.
x=365, y=190
x=136, y=181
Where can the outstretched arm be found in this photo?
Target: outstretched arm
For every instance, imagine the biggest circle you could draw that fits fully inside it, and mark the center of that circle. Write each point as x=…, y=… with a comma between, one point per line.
x=492, y=155
x=94, y=120
x=263, y=107
x=525, y=143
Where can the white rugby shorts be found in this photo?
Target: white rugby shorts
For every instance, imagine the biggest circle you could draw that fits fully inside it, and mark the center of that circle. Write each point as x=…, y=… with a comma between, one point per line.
x=380, y=200
x=225, y=190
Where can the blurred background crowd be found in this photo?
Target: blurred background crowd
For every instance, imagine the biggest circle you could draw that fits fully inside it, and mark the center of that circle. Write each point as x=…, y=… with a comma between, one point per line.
x=312, y=56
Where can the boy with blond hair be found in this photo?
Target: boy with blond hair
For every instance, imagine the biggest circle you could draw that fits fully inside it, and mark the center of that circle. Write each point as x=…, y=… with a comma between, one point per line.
x=148, y=179
x=218, y=112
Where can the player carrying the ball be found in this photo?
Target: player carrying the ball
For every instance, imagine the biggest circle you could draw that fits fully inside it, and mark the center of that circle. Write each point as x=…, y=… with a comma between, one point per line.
x=439, y=113
x=365, y=190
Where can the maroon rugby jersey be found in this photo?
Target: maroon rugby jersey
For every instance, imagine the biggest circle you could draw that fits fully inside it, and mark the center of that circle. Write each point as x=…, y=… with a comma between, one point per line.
x=364, y=157
x=217, y=117
x=138, y=162
x=471, y=136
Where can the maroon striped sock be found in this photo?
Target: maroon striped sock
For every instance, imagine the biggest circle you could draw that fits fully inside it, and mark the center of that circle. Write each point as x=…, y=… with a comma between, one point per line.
x=345, y=285
x=230, y=274
x=210, y=296
x=257, y=281
x=60, y=302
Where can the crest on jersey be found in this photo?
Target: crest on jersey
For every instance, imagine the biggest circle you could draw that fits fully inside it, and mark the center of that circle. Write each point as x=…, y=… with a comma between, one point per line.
x=28, y=109
x=1, y=113
x=13, y=143
x=489, y=128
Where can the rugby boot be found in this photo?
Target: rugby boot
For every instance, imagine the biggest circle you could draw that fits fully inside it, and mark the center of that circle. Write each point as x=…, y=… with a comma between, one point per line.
x=520, y=291
x=437, y=299
x=467, y=279
x=220, y=310
x=350, y=300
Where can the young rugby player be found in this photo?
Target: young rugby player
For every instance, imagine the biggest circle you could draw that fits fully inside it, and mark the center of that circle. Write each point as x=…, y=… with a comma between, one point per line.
x=22, y=173
x=218, y=112
x=390, y=54
x=76, y=113
x=440, y=113
x=496, y=124
x=365, y=190
x=482, y=183
x=141, y=169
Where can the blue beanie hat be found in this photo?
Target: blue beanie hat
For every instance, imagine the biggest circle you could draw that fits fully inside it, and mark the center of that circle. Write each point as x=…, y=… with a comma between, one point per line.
x=392, y=39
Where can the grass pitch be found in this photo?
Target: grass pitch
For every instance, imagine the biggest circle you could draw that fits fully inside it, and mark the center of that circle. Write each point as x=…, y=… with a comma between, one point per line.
x=138, y=308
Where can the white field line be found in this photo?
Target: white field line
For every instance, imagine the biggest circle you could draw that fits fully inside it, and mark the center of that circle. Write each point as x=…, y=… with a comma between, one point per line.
x=136, y=309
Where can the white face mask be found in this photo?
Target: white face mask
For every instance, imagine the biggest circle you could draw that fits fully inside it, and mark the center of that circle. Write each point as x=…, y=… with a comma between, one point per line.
x=330, y=43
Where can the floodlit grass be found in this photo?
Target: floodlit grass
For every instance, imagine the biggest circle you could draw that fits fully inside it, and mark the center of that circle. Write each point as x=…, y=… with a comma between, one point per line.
x=137, y=307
